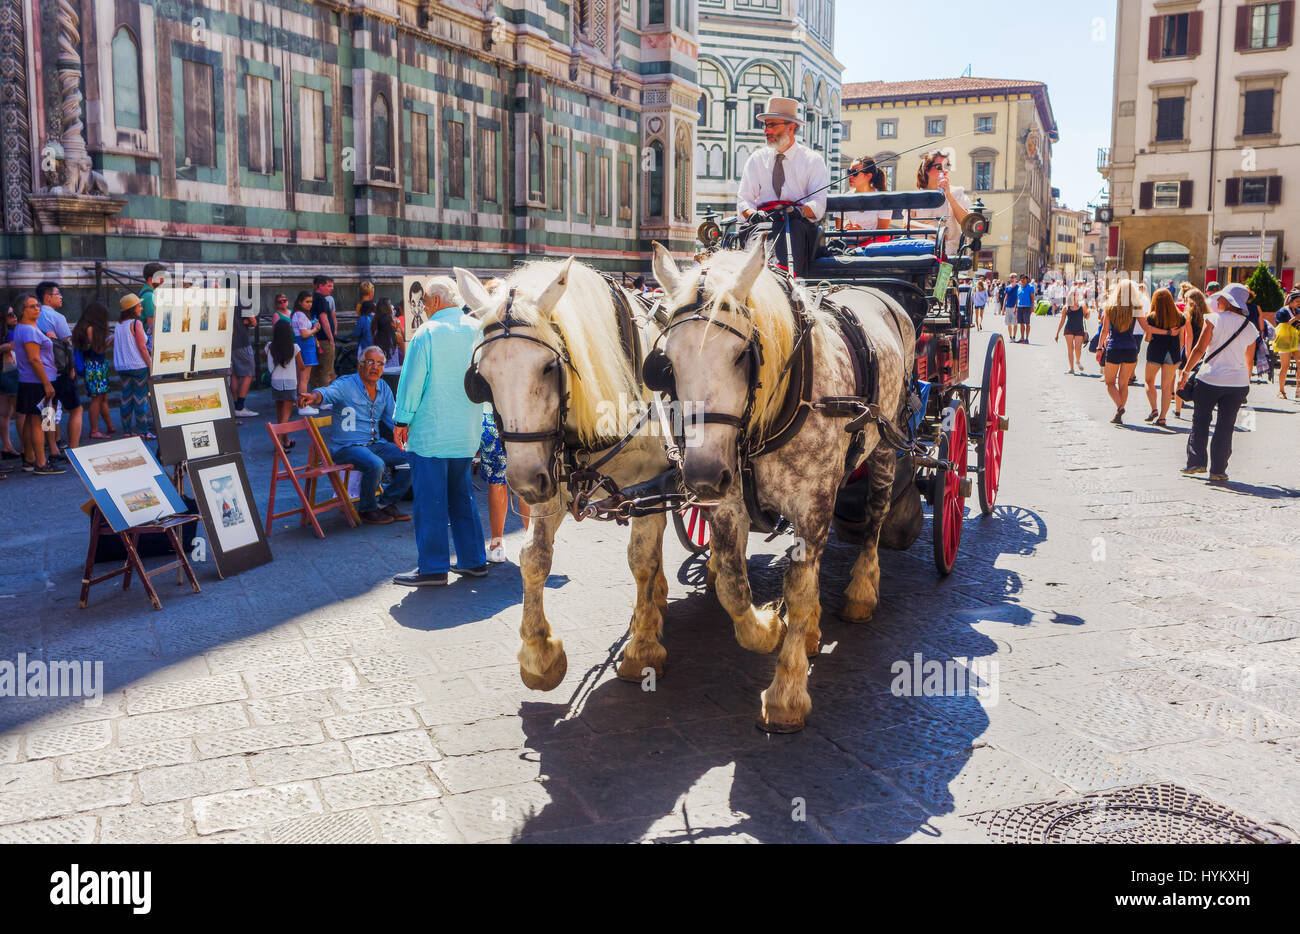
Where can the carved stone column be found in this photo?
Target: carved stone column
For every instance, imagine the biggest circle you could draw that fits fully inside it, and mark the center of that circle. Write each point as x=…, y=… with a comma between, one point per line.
x=15, y=140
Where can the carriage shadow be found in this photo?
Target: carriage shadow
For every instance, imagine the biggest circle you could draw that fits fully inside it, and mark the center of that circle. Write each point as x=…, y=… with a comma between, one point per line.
x=684, y=762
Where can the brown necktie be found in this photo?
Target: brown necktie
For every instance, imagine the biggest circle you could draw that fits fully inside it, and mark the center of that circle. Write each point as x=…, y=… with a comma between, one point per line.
x=778, y=175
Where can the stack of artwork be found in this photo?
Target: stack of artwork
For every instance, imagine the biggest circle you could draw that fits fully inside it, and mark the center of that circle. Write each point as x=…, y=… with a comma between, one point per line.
x=194, y=419
x=127, y=482
x=192, y=330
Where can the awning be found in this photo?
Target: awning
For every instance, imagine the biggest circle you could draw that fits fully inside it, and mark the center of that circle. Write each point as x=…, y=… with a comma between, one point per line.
x=1244, y=251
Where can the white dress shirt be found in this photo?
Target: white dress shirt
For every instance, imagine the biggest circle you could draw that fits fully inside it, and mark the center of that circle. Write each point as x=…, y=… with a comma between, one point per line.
x=807, y=180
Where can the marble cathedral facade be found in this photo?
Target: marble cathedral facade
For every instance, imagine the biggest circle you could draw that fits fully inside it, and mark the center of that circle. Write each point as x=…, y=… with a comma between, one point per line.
x=358, y=139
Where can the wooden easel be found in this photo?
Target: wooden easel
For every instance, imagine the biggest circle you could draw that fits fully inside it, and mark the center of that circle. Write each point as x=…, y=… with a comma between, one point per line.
x=130, y=537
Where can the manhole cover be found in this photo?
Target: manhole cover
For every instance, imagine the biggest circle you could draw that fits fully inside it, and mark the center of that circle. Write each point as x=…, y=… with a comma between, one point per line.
x=1163, y=813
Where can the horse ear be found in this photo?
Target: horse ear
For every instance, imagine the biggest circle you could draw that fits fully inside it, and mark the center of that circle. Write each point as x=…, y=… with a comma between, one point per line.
x=471, y=289
x=550, y=296
x=748, y=274
x=665, y=269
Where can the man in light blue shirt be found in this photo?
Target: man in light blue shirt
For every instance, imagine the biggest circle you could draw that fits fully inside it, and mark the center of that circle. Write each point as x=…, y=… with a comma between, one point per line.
x=442, y=430
x=362, y=404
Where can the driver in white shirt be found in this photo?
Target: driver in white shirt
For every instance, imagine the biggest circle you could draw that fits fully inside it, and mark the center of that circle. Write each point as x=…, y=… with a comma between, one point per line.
x=785, y=170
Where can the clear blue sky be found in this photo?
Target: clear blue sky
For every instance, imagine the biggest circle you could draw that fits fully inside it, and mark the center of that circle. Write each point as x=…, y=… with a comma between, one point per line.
x=1068, y=45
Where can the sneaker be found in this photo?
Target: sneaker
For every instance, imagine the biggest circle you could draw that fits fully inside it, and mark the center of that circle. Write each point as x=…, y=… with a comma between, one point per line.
x=497, y=555
x=1190, y=471
x=1218, y=478
x=375, y=517
x=327, y=406
x=29, y=466
x=310, y=410
x=245, y=413
x=394, y=513
x=414, y=578
x=480, y=571
x=11, y=455
x=49, y=470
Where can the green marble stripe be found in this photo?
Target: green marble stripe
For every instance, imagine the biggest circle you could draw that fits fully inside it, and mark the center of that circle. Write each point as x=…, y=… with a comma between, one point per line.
x=231, y=24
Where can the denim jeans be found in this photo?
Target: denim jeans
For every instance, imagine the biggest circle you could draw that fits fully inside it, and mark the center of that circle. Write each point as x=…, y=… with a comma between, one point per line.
x=371, y=459
x=444, y=494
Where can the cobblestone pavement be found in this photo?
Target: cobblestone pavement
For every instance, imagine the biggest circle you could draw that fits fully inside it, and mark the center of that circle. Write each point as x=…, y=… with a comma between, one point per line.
x=1141, y=624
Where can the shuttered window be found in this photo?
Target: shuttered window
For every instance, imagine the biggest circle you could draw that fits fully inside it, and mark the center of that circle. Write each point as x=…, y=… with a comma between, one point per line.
x=127, y=112
x=1175, y=35
x=1264, y=25
x=261, y=146
x=1169, y=118
x=487, y=160
x=420, y=153
x=200, y=134
x=1259, y=112
x=455, y=159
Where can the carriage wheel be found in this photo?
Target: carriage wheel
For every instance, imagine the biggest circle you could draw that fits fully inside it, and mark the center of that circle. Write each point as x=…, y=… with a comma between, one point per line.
x=692, y=525
x=948, y=495
x=993, y=410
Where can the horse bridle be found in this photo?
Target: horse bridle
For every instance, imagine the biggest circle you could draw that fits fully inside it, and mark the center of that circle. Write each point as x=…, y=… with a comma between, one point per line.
x=658, y=369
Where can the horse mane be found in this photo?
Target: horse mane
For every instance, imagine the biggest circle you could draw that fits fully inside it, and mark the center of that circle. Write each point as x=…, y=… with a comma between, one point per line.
x=584, y=322
x=769, y=311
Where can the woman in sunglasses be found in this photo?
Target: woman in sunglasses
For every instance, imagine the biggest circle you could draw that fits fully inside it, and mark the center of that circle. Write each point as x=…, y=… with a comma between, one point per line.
x=932, y=175
x=864, y=178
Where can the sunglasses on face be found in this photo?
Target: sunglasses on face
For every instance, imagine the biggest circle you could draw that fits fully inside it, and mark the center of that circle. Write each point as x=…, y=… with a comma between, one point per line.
x=372, y=363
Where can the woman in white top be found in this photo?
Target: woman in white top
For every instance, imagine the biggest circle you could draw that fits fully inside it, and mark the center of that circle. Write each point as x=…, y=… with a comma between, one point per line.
x=283, y=356
x=131, y=360
x=864, y=178
x=932, y=175
x=1227, y=345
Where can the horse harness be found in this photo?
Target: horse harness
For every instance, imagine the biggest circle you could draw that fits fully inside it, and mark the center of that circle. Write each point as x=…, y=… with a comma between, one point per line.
x=570, y=462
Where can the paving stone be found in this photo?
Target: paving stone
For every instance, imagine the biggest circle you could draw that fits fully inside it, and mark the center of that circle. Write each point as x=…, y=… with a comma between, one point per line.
x=1080, y=764
x=254, y=806
x=176, y=782
x=64, y=798
x=877, y=824
x=393, y=694
x=986, y=777
x=468, y=709
x=159, y=726
x=271, y=654
x=1121, y=721
x=391, y=720
x=197, y=692
x=68, y=739
x=257, y=738
x=232, y=836
x=354, y=827
x=9, y=748
x=288, y=708
x=126, y=758
x=379, y=668
x=1235, y=718
x=425, y=822
x=295, y=679
x=63, y=830
x=389, y=749
x=381, y=786
x=157, y=824
x=487, y=770
x=339, y=625
x=23, y=776
x=502, y=813
x=299, y=763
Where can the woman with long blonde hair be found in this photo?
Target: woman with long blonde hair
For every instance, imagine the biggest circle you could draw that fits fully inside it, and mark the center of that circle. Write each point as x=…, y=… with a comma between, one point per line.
x=1164, y=324
x=1120, y=343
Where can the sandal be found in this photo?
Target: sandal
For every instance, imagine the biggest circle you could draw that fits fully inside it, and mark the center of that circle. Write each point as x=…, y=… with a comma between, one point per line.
x=1161, y=423
x=1152, y=416
x=1119, y=417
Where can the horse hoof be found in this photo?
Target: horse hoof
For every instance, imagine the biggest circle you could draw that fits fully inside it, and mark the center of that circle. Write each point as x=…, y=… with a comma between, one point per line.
x=778, y=726
x=549, y=678
x=637, y=671
x=857, y=611
x=812, y=644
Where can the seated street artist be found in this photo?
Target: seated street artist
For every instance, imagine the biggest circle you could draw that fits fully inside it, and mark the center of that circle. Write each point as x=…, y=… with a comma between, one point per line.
x=362, y=403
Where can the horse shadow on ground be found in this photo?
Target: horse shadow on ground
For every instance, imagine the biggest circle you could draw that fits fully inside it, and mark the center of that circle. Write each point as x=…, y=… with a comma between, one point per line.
x=681, y=760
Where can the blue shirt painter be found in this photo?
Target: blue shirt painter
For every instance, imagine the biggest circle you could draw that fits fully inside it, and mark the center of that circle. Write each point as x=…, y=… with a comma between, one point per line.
x=357, y=417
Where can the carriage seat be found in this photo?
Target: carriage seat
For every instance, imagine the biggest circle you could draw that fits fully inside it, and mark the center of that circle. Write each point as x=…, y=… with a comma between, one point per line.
x=852, y=267
x=897, y=247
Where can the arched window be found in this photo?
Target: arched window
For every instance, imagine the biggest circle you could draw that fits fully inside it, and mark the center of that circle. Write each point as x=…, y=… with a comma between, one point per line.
x=717, y=165
x=127, y=112
x=713, y=107
x=535, y=186
x=655, y=181
x=742, y=156
x=702, y=159
x=682, y=175
x=381, y=147
x=759, y=82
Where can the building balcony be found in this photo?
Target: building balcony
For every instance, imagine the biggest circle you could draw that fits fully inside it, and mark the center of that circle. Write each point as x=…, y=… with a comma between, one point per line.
x=1103, y=160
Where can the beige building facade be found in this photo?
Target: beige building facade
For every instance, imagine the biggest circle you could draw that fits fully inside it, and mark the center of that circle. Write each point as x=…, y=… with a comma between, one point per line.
x=1000, y=133
x=1199, y=147
x=1067, y=242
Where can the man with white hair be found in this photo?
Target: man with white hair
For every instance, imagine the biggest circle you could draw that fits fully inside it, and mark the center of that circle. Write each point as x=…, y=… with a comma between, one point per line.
x=362, y=404
x=441, y=429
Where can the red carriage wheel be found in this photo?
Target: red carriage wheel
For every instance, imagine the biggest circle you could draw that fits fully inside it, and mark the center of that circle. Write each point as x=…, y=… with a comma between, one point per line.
x=992, y=413
x=692, y=525
x=948, y=495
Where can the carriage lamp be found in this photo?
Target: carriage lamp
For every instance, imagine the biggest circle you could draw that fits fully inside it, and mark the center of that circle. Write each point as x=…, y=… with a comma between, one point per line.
x=709, y=233
x=976, y=224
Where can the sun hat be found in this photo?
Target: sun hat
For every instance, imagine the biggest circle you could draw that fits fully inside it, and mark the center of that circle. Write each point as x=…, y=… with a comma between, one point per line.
x=129, y=300
x=1236, y=294
x=781, y=108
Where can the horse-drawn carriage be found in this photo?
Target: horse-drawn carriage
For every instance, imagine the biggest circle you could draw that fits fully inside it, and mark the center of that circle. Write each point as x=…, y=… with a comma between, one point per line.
x=949, y=414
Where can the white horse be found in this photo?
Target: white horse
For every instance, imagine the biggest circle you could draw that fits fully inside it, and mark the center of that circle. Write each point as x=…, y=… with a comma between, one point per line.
x=557, y=373
x=716, y=313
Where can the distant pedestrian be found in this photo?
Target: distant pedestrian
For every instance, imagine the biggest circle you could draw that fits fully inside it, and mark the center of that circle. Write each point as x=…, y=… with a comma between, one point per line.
x=34, y=351
x=1009, y=305
x=1227, y=346
x=91, y=339
x=322, y=312
x=242, y=365
x=304, y=332
x=283, y=354
x=1164, y=327
x=1024, y=308
x=54, y=325
x=979, y=299
x=9, y=387
x=1075, y=332
x=155, y=274
x=1286, y=342
x=385, y=333
x=131, y=361
x=361, y=333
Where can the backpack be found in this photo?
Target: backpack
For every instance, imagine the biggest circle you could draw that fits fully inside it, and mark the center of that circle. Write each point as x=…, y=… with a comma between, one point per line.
x=64, y=362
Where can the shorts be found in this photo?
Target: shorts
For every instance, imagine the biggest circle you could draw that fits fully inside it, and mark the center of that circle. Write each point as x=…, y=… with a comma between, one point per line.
x=65, y=390
x=492, y=458
x=1075, y=332
x=1120, y=355
x=284, y=395
x=1163, y=349
x=241, y=362
x=1023, y=313
x=9, y=382
x=31, y=398
x=308, y=347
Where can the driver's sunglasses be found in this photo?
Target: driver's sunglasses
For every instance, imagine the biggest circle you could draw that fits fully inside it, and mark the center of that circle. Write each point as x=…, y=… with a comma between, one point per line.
x=372, y=363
